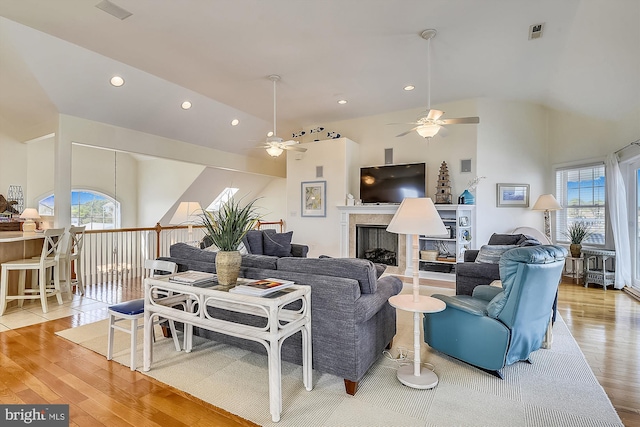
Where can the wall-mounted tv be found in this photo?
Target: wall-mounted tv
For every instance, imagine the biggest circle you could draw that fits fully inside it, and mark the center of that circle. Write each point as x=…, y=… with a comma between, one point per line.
x=392, y=183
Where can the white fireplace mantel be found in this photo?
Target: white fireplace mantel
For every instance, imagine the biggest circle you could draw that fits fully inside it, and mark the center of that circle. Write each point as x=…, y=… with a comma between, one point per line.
x=346, y=211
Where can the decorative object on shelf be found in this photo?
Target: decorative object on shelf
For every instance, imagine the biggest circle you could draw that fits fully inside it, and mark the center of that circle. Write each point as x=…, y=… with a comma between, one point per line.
x=465, y=235
x=443, y=190
x=8, y=206
x=547, y=203
x=464, y=221
x=313, y=196
x=29, y=215
x=15, y=194
x=467, y=197
x=416, y=217
x=429, y=255
x=512, y=195
x=226, y=227
x=350, y=200
x=443, y=248
x=577, y=233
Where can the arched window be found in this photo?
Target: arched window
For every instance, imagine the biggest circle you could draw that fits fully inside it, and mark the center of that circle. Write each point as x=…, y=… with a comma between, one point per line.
x=95, y=210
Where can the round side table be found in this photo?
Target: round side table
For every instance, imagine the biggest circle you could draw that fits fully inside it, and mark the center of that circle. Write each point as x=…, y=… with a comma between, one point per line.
x=414, y=375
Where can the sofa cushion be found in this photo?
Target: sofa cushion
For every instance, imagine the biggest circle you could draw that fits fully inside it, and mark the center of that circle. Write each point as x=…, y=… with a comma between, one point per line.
x=185, y=251
x=259, y=261
x=380, y=268
x=253, y=242
x=490, y=254
x=277, y=244
x=351, y=268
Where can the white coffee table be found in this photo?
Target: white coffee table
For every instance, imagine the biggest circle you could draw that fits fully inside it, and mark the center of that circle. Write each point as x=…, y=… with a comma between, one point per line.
x=414, y=375
x=281, y=323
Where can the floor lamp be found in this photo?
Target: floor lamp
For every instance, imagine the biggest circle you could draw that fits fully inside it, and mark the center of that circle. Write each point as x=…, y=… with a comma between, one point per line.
x=187, y=213
x=415, y=217
x=547, y=203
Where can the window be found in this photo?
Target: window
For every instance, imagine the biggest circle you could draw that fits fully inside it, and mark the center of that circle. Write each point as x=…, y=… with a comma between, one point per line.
x=581, y=191
x=222, y=198
x=95, y=210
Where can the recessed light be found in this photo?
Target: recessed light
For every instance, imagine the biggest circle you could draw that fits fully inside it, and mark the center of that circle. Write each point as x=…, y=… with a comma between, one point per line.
x=235, y=122
x=269, y=134
x=409, y=87
x=117, y=81
x=342, y=101
x=186, y=105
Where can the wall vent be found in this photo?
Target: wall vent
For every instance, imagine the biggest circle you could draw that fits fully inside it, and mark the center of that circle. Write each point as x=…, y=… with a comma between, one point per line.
x=113, y=10
x=535, y=31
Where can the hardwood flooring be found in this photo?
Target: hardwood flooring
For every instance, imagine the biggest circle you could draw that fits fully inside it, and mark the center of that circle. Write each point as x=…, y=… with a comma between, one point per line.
x=40, y=367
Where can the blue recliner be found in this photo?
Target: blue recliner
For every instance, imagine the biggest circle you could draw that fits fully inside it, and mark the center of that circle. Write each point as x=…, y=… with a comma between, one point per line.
x=496, y=327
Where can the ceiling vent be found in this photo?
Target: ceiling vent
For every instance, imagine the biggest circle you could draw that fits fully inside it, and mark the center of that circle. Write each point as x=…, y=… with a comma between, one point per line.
x=113, y=10
x=535, y=31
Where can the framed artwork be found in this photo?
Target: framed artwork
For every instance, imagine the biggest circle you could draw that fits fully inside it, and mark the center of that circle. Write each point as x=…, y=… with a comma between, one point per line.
x=314, y=194
x=512, y=195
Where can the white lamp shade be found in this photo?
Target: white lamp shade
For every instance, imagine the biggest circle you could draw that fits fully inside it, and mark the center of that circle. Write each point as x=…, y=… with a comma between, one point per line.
x=546, y=202
x=187, y=213
x=428, y=131
x=30, y=213
x=417, y=216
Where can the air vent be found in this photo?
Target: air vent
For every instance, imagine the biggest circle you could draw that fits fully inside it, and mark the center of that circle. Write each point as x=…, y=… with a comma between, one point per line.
x=113, y=10
x=535, y=31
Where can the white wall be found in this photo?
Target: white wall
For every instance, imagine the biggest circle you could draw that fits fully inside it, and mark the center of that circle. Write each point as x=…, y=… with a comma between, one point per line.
x=13, y=164
x=160, y=183
x=321, y=234
x=272, y=203
x=512, y=148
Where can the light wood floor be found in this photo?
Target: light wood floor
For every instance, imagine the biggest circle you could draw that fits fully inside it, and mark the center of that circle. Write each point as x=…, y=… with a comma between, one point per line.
x=40, y=367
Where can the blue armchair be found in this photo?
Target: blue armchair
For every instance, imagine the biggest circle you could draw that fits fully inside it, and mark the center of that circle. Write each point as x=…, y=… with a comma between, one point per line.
x=496, y=327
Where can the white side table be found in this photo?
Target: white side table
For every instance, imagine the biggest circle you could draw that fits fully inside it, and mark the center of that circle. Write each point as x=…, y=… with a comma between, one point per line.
x=415, y=376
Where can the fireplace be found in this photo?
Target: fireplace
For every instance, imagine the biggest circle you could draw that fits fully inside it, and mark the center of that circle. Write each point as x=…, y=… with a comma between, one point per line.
x=375, y=243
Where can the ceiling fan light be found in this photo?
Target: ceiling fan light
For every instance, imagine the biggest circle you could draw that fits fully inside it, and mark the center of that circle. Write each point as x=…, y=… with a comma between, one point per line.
x=428, y=131
x=274, y=151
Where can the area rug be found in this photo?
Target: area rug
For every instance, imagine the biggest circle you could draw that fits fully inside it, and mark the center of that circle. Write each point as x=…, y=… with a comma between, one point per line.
x=558, y=389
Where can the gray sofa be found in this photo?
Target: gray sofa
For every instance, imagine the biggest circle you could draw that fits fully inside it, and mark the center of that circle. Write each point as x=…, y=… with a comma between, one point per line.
x=351, y=319
x=471, y=273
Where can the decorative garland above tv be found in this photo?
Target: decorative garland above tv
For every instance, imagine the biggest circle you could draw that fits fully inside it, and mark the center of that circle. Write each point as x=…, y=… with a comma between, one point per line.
x=392, y=183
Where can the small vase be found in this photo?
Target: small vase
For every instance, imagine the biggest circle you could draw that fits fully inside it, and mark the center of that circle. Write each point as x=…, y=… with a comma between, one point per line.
x=469, y=199
x=575, y=249
x=228, y=267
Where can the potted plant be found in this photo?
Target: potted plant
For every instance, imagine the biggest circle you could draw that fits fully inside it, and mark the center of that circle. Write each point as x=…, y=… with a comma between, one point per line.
x=577, y=233
x=225, y=228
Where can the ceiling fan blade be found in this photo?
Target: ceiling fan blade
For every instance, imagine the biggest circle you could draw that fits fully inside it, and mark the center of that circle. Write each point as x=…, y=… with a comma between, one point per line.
x=290, y=142
x=461, y=121
x=434, y=114
x=407, y=132
x=294, y=148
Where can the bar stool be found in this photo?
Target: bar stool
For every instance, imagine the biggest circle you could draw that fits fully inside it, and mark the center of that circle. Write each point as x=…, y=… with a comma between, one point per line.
x=49, y=258
x=74, y=251
x=134, y=311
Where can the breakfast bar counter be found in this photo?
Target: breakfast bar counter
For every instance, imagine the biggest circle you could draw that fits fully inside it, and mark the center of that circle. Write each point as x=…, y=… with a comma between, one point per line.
x=18, y=245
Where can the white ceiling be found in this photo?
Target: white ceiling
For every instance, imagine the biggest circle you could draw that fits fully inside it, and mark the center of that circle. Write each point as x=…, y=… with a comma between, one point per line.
x=218, y=54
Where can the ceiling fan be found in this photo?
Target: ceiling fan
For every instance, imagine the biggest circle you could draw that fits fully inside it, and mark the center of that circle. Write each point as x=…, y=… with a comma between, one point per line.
x=274, y=144
x=429, y=123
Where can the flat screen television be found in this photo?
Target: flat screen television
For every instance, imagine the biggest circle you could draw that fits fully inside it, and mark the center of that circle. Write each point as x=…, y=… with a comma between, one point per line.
x=392, y=183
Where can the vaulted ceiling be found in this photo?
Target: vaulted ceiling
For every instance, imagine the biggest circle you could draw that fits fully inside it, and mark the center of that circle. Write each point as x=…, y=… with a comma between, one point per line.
x=58, y=56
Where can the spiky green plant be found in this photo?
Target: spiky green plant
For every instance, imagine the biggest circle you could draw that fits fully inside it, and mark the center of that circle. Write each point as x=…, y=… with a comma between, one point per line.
x=578, y=232
x=227, y=226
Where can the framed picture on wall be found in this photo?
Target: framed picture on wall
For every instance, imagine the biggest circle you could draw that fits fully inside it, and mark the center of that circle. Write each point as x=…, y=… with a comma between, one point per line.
x=512, y=195
x=314, y=194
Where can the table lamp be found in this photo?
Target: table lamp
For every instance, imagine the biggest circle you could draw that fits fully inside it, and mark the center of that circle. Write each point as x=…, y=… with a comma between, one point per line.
x=29, y=215
x=187, y=213
x=417, y=216
x=547, y=203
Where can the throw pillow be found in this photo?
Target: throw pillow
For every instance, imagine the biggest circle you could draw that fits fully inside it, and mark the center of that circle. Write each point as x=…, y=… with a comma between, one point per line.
x=253, y=242
x=277, y=244
x=505, y=239
x=490, y=254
